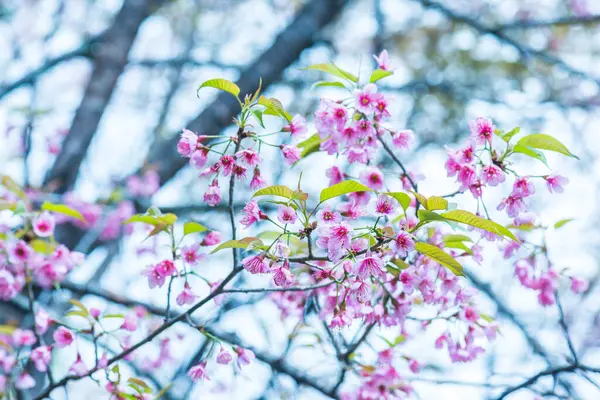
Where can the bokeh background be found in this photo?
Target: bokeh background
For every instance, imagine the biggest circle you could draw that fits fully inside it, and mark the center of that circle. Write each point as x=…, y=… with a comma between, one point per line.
x=92, y=92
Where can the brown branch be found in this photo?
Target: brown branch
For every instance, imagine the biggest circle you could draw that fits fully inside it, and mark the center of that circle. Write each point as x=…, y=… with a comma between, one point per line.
x=109, y=60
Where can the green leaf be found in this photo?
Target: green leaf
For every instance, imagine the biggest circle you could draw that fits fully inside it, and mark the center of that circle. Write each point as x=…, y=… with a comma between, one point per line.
x=531, y=153
x=509, y=135
x=562, y=222
x=259, y=116
x=80, y=306
x=379, y=74
x=237, y=244
x=342, y=188
x=163, y=391
x=107, y=316
x=12, y=186
x=310, y=145
x=7, y=329
x=544, y=142
x=457, y=238
x=458, y=245
x=402, y=198
x=437, y=203
x=439, y=256
x=333, y=70
x=426, y=216
x=277, y=190
x=274, y=107
x=468, y=218
x=221, y=84
x=486, y=318
x=327, y=84
x=393, y=270
x=193, y=227
x=420, y=198
x=42, y=246
x=401, y=264
x=141, y=384
x=62, y=209
x=155, y=220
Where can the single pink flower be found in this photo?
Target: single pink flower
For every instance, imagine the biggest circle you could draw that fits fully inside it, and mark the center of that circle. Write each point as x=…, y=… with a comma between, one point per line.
x=364, y=100
x=482, y=130
x=212, y=197
x=198, y=372
x=286, y=214
x=372, y=177
x=41, y=356
x=255, y=264
x=245, y=356
x=555, y=183
x=63, y=337
x=383, y=61
x=43, y=224
x=186, y=296
x=224, y=357
x=335, y=175
x=492, y=175
x=297, y=127
x=291, y=154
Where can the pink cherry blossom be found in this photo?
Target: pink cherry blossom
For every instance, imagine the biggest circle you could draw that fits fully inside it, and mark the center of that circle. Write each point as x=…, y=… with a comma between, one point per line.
x=248, y=157
x=555, y=183
x=286, y=214
x=297, y=127
x=78, y=367
x=187, y=143
x=212, y=197
x=402, y=244
x=372, y=177
x=41, y=356
x=482, y=130
x=63, y=337
x=291, y=154
x=252, y=214
x=23, y=337
x=327, y=216
x=255, y=264
x=403, y=139
x=43, y=224
x=24, y=381
x=186, y=296
x=224, y=357
x=212, y=238
x=364, y=100
x=257, y=181
x=335, y=175
x=245, y=356
x=383, y=61
x=384, y=205
x=492, y=175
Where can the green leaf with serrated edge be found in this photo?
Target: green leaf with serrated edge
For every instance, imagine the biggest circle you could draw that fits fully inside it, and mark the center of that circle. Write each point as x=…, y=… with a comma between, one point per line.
x=193, y=227
x=237, y=244
x=342, y=188
x=310, y=145
x=531, y=153
x=221, y=84
x=259, y=116
x=426, y=215
x=62, y=209
x=12, y=186
x=327, y=84
x=457, y=238
x=542, y=141
x=465, y=217
x=402, y=198
x=509, y=135
x=420, y=198
x=562, y=222
x=333, y=70
x=379, y=74
x=441, y=257
x=437, y=203
x=274, y=107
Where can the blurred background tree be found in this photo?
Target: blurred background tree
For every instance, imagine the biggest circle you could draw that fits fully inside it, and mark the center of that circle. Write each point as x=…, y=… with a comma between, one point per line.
x=92, y=92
